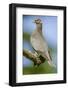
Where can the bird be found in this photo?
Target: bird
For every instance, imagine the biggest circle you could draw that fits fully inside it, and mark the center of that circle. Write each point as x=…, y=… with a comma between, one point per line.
x=39, y=43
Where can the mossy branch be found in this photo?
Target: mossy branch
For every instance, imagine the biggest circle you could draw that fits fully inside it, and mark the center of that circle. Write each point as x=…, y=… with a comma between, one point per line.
x=32, y=56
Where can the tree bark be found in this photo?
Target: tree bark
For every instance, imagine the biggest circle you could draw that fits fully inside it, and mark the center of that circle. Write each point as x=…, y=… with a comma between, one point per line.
x=32, y=56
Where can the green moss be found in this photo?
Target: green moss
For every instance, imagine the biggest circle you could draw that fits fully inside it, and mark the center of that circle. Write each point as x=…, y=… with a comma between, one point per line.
x=41, y=69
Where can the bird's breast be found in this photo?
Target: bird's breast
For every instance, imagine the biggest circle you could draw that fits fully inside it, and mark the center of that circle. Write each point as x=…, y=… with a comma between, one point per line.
x=38, y=42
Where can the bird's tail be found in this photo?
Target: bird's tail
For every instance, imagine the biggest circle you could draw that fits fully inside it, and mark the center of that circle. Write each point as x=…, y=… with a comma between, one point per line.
x=51, y=63
x=46, y=56
x=49, y=59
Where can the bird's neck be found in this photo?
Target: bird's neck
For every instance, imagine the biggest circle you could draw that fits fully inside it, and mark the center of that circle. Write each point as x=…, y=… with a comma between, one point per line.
x=39, y=28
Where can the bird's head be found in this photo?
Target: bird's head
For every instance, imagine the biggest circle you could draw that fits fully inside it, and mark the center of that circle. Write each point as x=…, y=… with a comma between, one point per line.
x=38, y=21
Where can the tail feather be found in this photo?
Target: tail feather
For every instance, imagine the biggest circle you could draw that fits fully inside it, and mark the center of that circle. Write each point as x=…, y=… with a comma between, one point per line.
x=51, y=64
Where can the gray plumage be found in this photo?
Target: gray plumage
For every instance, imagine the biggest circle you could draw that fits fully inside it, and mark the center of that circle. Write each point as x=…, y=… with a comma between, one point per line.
x=39, y=43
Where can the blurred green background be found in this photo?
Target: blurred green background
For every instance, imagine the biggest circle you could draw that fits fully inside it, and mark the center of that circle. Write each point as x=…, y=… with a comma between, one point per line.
x=50, y=33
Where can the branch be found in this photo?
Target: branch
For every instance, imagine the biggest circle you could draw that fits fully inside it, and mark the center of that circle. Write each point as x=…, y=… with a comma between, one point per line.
x=32, y=56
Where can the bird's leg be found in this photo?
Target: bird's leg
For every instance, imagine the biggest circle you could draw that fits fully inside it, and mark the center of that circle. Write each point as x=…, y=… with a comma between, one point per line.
x=39, y=56
x=35, y=53
x=38, y=59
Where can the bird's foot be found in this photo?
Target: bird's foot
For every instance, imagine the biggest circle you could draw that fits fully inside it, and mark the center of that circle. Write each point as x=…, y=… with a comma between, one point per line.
x=37, y=63
x=40, y=59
